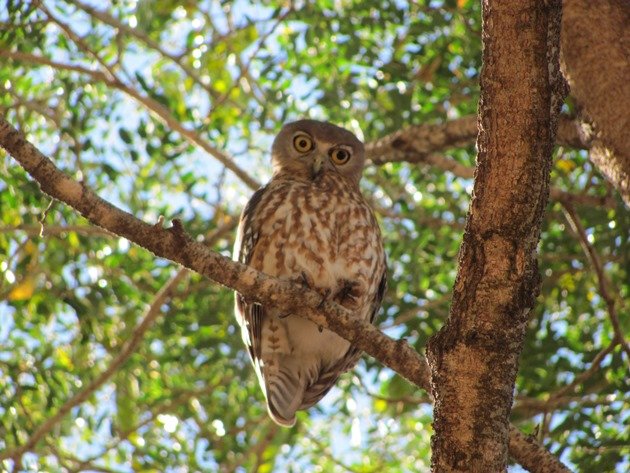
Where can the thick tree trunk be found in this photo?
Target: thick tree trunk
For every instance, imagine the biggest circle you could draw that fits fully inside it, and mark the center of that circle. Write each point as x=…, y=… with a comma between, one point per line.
x=596, y=62
x=474, y=358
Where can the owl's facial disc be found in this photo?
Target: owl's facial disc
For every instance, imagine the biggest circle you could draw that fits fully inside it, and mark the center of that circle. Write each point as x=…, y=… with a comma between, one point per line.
x=309, y=149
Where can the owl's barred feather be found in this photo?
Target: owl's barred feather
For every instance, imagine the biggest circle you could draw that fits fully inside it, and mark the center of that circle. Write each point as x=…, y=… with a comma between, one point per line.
x=312, y=225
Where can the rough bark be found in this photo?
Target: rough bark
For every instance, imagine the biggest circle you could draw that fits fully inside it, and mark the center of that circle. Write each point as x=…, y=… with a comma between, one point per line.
x=420, y=140
x=527, y=449
x=174, y=244
x=596, y=62
x=412, y=143
x=474, y=357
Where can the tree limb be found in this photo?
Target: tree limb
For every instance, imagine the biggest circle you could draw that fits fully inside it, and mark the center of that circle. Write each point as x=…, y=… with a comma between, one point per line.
x=595, y=38
x=55, y=230
x=426, y=144
x=529, y=454
x=412, y=142
x=420, y=140
x=175, y=245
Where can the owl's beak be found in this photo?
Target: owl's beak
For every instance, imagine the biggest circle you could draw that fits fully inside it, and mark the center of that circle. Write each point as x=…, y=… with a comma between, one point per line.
x=318, y=164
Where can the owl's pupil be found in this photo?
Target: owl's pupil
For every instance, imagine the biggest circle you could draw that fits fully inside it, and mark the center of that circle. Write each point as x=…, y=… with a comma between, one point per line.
x=341, y=155
x=303, y=143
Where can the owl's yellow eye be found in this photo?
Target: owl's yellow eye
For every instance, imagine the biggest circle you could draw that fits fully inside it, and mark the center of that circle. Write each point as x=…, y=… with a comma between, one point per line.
x=303, y=143
x=340, y=155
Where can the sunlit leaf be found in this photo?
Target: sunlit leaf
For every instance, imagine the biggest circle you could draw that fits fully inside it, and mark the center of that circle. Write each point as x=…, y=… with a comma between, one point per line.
x=23, y=290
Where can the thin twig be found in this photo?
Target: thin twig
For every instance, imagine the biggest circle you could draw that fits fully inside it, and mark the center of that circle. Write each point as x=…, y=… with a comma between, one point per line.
x=143, y=38
x=152, y=105
x=425, y=144
x=258, y=450
x=128, y=349
x=75, y=38
x=154, y=411
x=56, y=230
x=605, y=291
x=326, y=451
x=579, y=380
x=529, y=406
x=410, y=400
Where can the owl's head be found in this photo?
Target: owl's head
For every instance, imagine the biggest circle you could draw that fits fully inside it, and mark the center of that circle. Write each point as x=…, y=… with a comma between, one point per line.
x=309, y=148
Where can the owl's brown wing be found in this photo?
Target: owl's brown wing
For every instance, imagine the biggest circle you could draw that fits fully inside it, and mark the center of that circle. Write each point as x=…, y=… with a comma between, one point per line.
x=249, y=315
x=328, y=377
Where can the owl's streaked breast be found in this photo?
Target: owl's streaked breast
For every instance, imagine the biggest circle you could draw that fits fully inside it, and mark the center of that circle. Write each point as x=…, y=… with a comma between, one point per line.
x=319, y=228
x=324, y=234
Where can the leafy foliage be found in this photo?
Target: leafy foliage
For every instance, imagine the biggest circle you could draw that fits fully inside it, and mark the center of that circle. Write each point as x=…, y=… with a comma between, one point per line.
x=103, y=92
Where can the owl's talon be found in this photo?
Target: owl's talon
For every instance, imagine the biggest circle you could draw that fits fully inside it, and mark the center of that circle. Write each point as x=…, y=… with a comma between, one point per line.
x=306, y=281
x=325, y=296
x=348, y=292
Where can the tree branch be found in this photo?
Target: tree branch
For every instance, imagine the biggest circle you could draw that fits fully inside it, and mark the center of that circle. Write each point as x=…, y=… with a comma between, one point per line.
x=530, y=406
x=529, y=454
x=56, y=230
x=581, y=378
x=175, y=245
x=426, y=144
x=258, y=450
x=595, y=62
x=154, y=411
x=412, y=142
x=128, y=349
x=108, y=19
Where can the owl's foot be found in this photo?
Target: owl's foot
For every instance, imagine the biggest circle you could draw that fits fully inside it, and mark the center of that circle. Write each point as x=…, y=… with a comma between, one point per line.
x=325, y=296
x=306, y=280
x=348, y=294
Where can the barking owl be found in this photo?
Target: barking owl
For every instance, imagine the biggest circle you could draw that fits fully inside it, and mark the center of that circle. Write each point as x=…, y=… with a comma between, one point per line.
x=309, y=224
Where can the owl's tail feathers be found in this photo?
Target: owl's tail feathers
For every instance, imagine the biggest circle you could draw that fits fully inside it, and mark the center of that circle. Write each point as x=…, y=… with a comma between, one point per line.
x=285, y=388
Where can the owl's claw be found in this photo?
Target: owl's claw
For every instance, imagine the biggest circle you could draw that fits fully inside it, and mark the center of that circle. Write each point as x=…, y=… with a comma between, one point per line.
x=348, y=292
x=306, y=280
x=325, y=296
